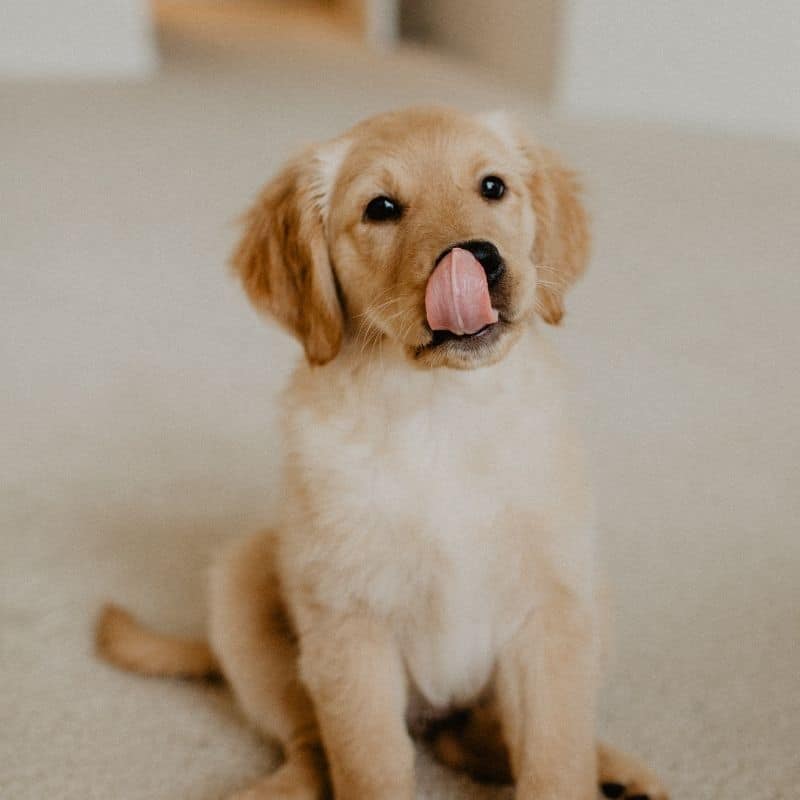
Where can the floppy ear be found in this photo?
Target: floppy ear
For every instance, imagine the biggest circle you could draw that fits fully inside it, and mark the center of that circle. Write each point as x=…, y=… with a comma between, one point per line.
x=561, y=247
x=283, y=261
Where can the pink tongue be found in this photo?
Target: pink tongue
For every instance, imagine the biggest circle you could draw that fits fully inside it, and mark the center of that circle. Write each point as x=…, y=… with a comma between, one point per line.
x=457, y=297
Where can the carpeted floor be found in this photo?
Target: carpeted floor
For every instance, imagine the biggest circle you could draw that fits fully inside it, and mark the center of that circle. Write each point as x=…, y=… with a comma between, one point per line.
x=137, y=427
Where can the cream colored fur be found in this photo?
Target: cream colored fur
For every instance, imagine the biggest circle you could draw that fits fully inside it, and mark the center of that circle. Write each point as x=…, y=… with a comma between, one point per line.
x=434, y=550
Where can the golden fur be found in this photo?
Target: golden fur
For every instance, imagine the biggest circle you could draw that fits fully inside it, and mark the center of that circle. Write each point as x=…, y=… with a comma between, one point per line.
x=432, y=565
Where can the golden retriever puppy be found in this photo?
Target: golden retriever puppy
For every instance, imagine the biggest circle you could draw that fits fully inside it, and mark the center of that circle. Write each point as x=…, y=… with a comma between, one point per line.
x=432, y=568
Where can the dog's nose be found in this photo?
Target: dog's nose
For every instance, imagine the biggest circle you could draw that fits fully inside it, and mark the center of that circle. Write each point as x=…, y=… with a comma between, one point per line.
x=487, y=255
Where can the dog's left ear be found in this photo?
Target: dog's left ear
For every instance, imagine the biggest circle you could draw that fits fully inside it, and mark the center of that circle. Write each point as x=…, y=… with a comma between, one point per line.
x=283, y=260
x=561, y=247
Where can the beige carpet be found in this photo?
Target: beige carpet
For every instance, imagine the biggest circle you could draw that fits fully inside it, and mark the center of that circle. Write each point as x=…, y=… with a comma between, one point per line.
x=137, y=427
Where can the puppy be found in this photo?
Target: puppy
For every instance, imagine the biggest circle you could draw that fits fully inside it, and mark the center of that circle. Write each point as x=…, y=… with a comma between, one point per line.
x=432, y=568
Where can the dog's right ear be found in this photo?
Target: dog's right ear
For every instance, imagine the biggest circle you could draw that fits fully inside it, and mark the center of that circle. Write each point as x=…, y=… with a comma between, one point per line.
x=562, y=229
x=282, y=259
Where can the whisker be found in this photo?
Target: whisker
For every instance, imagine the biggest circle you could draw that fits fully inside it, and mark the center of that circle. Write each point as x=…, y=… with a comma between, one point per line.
x=545, y=268
x=549, y=284
x=406, y=329
x=376, y=307
x=397, y=314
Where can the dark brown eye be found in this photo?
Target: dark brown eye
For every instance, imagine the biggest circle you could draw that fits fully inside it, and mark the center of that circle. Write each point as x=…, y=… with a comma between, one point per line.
x=382, y=209
x=492, y=187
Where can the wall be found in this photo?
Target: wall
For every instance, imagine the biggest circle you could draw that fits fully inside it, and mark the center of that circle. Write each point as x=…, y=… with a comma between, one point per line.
x=731, y=64
x=718, y=64
x=376, y=20
x=514, y=38
x=76, y=38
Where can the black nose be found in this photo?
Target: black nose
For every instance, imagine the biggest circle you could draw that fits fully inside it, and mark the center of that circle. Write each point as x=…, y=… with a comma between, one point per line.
x=486, y=254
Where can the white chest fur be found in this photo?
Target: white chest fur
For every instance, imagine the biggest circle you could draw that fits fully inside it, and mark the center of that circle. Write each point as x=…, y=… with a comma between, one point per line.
x=427, y=497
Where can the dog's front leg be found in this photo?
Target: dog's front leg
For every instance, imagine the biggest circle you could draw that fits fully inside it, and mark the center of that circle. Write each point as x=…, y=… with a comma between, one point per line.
x=546, y=691
x=356, y=680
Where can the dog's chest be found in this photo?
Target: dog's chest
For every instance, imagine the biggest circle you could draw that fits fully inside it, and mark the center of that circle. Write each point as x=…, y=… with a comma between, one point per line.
x=429, y=495
x=414, y=498
x=419, y=496
x=428, y=477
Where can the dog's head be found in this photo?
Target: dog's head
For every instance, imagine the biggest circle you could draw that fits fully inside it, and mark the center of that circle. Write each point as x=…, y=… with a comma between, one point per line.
x=440, y=231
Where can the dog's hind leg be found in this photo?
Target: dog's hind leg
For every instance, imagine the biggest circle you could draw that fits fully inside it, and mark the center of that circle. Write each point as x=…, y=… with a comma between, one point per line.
x=475, y=746
x=253, y=640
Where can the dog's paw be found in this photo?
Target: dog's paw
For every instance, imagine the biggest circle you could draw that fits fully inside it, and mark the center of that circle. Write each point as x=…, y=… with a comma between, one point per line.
x=633, y=791
x=623, y=777
x=292, y=781
x=275, y=790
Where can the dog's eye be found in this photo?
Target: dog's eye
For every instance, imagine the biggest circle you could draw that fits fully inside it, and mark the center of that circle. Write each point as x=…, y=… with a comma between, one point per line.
x=492, y=187
x=382, y=209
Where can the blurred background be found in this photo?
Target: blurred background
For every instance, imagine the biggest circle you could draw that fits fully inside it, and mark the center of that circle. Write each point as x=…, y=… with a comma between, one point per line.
x=137, y=422
x=723, y=64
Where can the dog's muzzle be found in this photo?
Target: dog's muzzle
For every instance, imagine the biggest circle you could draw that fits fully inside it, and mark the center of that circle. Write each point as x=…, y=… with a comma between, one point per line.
x=457, y=298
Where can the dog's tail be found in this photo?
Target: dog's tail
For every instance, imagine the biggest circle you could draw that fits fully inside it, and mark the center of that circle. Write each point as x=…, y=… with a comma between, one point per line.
x=125, y=642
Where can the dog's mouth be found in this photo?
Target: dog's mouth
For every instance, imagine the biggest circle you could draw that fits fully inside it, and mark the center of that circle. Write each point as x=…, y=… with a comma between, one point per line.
x=459, y=307
x=465, y=341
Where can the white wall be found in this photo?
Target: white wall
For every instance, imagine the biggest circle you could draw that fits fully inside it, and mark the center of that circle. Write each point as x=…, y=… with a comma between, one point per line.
x=516, y=39
x=76, y=38
x=731, y=64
